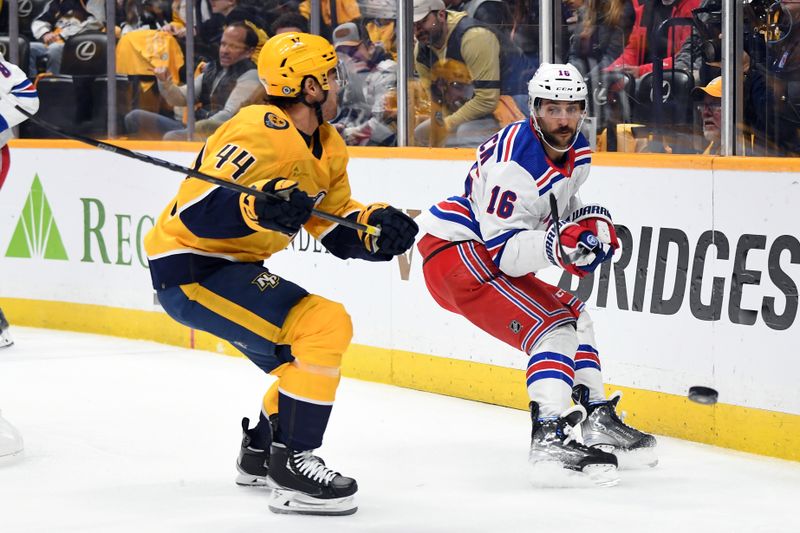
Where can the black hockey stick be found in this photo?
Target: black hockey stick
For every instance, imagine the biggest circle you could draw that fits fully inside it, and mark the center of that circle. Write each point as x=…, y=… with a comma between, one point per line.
x=366, y=228
x=555, y=220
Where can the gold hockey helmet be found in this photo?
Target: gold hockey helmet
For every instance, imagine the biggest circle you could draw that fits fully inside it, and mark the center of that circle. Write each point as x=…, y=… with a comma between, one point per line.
x=286, y=60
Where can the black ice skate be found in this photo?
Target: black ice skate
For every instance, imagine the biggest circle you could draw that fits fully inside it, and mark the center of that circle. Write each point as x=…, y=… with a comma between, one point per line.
x=604, y=429
x=252, y=463
x=5, y=335
x=302, y=484
x=558, y=460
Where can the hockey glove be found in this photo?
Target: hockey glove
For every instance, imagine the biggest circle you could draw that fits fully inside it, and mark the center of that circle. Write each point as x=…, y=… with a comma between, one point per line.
x=580, y=244
x=397, y=229
x=286, y=212
x=597, y=219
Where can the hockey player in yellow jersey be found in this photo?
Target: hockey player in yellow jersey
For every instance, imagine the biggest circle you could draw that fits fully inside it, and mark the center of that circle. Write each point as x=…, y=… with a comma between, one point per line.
x=207, y=248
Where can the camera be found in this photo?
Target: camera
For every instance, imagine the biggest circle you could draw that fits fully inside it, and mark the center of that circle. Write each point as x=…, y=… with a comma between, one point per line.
x=767, y=26
x=708, y=22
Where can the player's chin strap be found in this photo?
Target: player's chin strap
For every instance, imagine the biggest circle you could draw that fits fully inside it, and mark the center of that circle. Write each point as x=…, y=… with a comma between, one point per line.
x=543, y=136
x=316, y=106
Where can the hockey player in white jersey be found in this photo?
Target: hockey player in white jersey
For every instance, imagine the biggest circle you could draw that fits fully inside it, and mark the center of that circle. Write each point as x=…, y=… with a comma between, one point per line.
x=15, y=89
x=480, y=256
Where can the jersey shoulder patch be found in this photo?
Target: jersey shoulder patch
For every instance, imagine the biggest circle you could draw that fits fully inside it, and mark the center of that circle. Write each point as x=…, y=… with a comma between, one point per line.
x=275, y=122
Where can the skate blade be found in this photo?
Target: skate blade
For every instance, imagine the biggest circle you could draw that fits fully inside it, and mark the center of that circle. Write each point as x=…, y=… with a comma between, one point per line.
x=291, y=502
x=553, y=475
x=10, y=457
x=247, y=480
x=638, y=459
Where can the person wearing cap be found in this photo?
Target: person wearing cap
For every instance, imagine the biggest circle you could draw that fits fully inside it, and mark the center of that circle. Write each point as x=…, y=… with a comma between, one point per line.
x=711, y=113
x=441, y=35
x=379, y=20
x=371, y=73
x=363, y=52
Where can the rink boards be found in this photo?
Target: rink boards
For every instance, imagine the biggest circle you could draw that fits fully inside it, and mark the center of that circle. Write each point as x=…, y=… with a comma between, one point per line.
x=703, y=293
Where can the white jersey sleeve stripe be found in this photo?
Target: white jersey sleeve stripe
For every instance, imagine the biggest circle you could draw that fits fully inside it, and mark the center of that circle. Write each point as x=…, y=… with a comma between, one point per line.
x=457, y=209
x=507, y=148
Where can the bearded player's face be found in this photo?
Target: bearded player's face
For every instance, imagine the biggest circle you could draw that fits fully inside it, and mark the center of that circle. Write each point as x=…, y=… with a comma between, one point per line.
x=559, y=121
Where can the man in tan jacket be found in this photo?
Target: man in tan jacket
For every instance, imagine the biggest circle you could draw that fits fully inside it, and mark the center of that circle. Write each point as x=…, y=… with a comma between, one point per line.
x=450, y=35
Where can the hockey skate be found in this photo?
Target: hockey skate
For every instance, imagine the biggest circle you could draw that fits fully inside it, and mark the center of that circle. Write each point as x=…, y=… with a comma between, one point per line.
x=604, y=429
x=252, y=463
x=302, y=484
x=558, y=460
x=5, y=335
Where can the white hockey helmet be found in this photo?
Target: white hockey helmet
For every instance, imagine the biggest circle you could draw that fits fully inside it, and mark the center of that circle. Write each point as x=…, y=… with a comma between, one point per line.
x=554, y=81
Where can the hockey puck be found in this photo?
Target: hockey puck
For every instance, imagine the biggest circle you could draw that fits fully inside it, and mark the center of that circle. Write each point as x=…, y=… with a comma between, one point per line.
x=703, y=395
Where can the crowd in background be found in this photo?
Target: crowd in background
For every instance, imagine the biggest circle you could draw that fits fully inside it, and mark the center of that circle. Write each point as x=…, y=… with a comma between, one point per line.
x=472, y=60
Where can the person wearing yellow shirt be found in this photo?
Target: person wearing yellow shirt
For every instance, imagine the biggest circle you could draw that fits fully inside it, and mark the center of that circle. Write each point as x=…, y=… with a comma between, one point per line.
x=207, y=249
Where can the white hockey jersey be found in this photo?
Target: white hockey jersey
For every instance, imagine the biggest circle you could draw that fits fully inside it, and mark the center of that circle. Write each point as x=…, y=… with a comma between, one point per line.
x=505, y=204
x=15, y=90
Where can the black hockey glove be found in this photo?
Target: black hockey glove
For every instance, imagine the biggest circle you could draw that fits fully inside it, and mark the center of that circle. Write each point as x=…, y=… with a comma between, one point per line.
x=288, y=212
x=397, y=229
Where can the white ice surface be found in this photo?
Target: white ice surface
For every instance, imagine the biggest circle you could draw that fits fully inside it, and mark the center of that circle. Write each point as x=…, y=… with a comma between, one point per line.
x=129, y=436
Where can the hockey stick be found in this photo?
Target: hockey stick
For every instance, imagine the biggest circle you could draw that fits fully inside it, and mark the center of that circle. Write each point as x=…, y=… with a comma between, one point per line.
x=366, y=228
x=556, y=219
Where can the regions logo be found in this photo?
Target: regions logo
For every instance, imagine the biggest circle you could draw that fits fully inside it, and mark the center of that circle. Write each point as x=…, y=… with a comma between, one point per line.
x=36, y=233
x=271, y=120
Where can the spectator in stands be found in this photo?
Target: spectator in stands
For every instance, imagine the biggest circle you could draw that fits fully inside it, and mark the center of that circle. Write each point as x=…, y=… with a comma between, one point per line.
x=701, y=53
x=646, y=43
x=516, y=66
x=371, y=74
x=362, y=53
x=272, y=9
x=60, y=20
x=772, y=67
x=221, y=89
x=599, y=33
x=289, y=22
x=493, y=12
x=344, y=11
x=711, y=114
x=177, y=25
x=378, y=19
x=224, y=13
x=452, y=85
x=442, y=35
x=146, y=15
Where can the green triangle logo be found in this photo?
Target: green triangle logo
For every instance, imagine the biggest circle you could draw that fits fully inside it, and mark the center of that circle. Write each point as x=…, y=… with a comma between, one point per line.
x=36, y=234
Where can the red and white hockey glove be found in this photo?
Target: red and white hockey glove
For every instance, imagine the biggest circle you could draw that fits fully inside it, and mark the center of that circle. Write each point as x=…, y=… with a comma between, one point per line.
x=597, y=219
x=583, y=249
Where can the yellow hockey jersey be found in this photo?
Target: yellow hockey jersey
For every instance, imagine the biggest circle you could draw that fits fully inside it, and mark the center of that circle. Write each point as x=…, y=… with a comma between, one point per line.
x=204, y=227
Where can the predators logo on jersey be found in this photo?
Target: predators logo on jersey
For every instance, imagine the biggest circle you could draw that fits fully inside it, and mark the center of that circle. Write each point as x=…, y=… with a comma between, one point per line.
x=271, y=120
